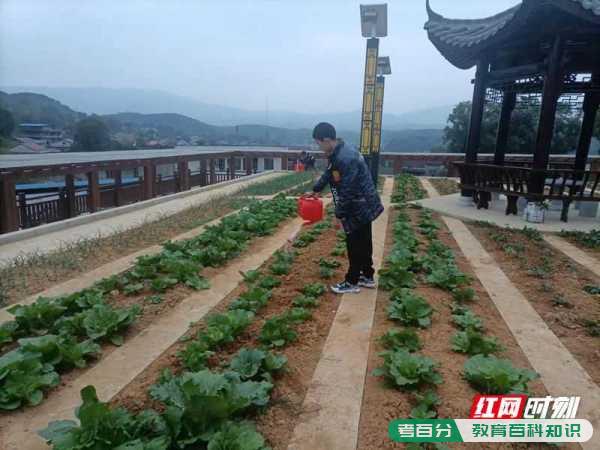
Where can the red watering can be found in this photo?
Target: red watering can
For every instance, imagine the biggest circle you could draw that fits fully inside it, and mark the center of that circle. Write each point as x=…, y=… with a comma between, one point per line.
x=310, y=208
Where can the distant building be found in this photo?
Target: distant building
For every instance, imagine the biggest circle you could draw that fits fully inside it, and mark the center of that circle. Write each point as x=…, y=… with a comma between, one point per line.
x=40, y=132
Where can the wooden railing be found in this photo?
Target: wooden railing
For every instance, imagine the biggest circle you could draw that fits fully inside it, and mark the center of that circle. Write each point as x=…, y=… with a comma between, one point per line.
x=47, y=205
x=566, y=185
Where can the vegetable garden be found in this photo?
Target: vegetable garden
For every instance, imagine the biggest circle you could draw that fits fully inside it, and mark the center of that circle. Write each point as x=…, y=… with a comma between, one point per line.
x=237, y=378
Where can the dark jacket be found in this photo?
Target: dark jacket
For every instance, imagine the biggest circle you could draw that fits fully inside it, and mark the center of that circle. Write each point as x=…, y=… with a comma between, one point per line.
x=354, y=195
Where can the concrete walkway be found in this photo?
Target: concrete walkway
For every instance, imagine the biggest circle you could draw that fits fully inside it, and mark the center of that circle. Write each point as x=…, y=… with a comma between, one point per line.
x=577, y=255
x=331, y=410
x=114, y=372
x=451, y=206
x=53, y=240
x=560, y=372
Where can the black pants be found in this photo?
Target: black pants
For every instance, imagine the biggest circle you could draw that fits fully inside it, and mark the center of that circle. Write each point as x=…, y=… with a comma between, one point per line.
x=359, y=244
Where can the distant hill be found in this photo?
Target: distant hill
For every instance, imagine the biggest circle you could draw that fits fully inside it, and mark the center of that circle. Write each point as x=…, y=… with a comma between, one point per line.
x=112, y=101
x=30, y=107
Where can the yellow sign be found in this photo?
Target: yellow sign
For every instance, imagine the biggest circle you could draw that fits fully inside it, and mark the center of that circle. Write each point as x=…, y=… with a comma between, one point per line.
x=377, y=116
x=366, y=132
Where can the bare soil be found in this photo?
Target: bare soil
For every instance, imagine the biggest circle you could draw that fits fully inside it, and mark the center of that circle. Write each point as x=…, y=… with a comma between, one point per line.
x=278, y=421
x=553, y=284
x=382, y=404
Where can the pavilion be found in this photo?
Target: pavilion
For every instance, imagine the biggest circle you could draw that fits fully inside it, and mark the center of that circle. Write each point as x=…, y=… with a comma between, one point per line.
x=544, y=53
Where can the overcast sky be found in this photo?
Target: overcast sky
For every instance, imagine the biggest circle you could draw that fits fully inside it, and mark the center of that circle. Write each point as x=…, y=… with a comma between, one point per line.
x=305, y=55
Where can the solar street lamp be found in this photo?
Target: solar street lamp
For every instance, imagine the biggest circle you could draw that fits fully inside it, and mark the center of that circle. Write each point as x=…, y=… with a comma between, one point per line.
x=383, y=68
x=373, y=26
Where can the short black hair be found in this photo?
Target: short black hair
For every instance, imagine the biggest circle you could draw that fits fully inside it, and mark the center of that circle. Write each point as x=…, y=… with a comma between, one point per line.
x=323, y=131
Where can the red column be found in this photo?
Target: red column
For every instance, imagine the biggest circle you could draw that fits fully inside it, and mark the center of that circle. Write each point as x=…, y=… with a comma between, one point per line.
x=9, y=220
x=211, y=168
x=184, y=176
x=149, y=175
x=203, y=180
x=118, y=177
x=93, y=192
x=70, y=196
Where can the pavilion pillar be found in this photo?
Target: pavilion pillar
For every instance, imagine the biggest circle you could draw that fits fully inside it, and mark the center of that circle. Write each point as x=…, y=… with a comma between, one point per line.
x=590, y=110
x=284, y=162
x=203, y=181
x=118, y=182
x=69, y=197
x=474, y=136
x=211, y=168
x=149, y=175
x=183, y=173
x=477, y=107
x=550, y=94
x=508, y=105
x=232, y=167
x=93, y=192
x=9, y=213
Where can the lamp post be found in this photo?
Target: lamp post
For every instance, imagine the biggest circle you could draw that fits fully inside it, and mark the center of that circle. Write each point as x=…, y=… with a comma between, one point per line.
x=383, y=68
x=373, y=26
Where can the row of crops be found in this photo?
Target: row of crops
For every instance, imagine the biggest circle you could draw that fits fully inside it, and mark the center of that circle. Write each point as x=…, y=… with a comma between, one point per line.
x=199, y=403
x=419, y=256
x=54, y=335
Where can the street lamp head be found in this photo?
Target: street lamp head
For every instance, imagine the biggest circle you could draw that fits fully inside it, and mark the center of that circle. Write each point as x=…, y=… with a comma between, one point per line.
x=383, y=66
x=373, y=19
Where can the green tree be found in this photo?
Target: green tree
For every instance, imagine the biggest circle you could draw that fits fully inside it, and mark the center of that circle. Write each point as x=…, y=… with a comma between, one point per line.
x=91, y=135
x=7, y=123
x=522, y=132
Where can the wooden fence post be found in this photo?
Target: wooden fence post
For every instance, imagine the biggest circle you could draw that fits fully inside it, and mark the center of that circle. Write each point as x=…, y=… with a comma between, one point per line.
x=93, y=192
x=118, y=177
x=183, y=176
x=149, y=175
x=9, y=220
x=70, y=209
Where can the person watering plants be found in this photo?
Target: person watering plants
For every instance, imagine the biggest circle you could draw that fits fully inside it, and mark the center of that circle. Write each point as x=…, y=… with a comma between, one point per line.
x=357, y=205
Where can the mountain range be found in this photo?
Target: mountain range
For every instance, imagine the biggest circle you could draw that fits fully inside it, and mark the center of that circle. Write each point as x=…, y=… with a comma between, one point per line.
x=114, y=101
x=35, y=107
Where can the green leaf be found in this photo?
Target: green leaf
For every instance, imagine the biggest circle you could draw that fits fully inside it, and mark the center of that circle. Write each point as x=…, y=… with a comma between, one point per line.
x=237, y=436
x=407, y=370
x=473, y=343
x=406, y=338
x=409, y=308
x=491, y=375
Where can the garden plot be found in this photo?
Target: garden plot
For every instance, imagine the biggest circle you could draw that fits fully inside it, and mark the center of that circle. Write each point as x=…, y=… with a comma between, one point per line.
x=35, y=272
x=52, y=336
x=438, y=320
x=294, y=316
x=565, y=294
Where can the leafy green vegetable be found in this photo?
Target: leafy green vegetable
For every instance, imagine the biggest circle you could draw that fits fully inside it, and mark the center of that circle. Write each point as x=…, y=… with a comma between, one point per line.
x=326, y=273
x=269, y=282
x=253, y=364
x=409, y=308
x=23, y=377
x=251, y=276
x=463, y=294
x=277, y=332
x=314, y=290
x=305, y=301
x=426, y=408
x=252, y=300
x=8, y=331
x=407, y=370
x=473, y=342
x=467, y=320
x=104, y=322
x=237, y=436
x=329, y=263
x=102, y=428
x=407, y=338
x=195, y=355
x=223, y=328
x=491, y=375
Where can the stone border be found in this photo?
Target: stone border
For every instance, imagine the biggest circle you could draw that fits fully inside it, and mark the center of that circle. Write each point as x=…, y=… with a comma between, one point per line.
x=330, y=415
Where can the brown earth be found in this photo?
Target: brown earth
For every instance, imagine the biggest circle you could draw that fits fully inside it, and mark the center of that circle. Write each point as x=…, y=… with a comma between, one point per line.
x=278, y=421
x=382, y=404
x=555, y=292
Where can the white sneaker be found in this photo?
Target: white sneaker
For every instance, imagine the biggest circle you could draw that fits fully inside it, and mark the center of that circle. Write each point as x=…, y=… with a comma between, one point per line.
x=366, y=282
x=345, y=288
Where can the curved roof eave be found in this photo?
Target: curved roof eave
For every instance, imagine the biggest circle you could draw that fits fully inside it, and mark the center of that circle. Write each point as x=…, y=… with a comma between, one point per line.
x=461, y=41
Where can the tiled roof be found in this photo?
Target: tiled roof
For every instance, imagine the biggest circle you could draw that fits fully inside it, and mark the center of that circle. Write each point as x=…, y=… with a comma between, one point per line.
x=461, y=40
